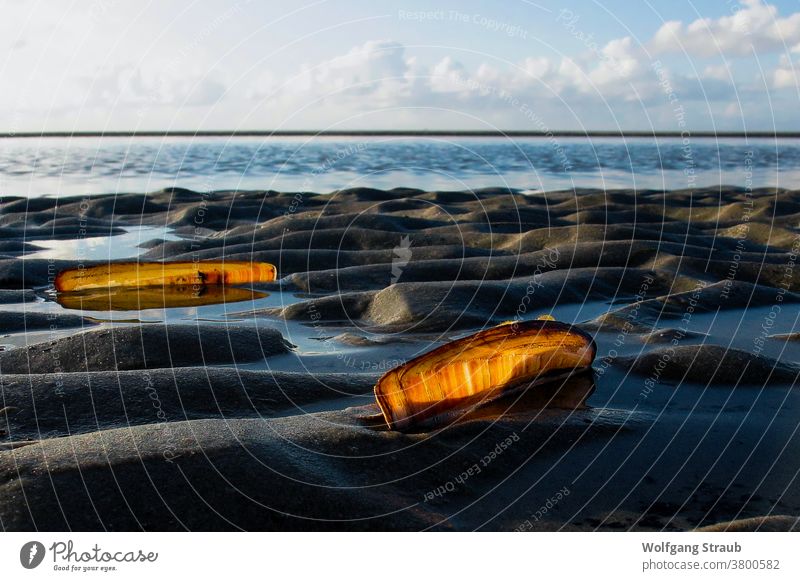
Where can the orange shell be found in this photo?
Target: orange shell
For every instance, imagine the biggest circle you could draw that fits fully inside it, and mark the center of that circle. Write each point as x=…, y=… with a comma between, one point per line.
x=454, y=378
x=139, y=274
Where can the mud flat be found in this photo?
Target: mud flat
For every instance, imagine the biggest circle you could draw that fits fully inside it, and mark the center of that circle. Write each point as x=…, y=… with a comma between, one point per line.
x=261, y=417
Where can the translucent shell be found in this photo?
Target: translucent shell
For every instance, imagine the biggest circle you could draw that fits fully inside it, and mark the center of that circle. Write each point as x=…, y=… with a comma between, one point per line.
x=455, y=378
x=140, y=274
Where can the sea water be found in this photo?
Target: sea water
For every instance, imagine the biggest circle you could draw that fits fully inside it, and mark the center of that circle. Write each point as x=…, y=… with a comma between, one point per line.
x=81, y=166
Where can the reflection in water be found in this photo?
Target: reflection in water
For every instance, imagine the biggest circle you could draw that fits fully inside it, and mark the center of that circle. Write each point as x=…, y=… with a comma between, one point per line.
x=525, y=403
x=568, y=393
x=126, y=245
x=154, y=297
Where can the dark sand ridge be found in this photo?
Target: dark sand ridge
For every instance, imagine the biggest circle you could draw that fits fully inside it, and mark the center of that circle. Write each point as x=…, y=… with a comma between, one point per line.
x=149, y=346
x=31, y=321
x=87, y=402
x=423, y=306
x=720, y=296
x=12, y=248
x=630, y=254
x=41, y=218
x=775, y=524
x=17, y=296
x=470, y=259
x=323, y=470
x=60, y=230
x=711, y=365
x=304, y=472
x=786, y=336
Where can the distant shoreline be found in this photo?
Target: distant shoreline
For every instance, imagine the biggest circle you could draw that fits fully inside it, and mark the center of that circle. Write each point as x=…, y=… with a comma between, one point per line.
x=412, y=133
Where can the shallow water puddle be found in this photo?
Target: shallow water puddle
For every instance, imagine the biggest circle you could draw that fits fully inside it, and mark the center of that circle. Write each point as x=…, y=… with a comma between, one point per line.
x=749, y=329
x=247, y=309
x=24, y=338
x=126, y=245
x=220, y=312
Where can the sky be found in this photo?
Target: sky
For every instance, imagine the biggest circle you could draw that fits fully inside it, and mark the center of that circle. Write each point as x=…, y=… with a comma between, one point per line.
x=103, y=65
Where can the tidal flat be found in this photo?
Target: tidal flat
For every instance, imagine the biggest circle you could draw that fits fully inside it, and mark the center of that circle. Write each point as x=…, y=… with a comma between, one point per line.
x=255, y=410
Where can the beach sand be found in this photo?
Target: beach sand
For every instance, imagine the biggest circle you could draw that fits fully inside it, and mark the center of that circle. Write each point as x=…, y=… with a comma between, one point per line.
x=262, y=418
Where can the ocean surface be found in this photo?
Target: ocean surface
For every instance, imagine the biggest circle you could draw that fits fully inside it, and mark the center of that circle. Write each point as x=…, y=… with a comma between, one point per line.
x=70, y=166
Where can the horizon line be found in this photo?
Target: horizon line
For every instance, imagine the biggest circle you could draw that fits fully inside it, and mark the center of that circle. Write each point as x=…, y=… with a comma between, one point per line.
x=402, y=133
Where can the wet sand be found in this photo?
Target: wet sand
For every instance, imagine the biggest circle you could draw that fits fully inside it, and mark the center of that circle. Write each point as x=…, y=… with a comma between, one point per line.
x=259, y=414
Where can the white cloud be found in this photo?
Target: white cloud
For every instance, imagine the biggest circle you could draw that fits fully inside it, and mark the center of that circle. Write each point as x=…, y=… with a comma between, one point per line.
x=619, y=61
x=755, y=26
x=140, y=87
x=717, y=72
x=382, y=71
x=380, y=74
x=448, y=76
x=378, y=69
x=783, y=78
x=786, y=75
x=537, y=68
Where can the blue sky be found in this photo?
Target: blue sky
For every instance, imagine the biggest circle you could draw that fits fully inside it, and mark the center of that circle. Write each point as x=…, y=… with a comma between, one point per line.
x=668, y=65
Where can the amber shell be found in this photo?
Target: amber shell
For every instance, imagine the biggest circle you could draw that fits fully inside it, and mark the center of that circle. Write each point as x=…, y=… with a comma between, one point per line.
x=455, y=378
x=142, y=274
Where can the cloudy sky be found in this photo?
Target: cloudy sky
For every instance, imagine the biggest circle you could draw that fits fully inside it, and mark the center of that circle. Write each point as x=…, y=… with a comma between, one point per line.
x=417, y=64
